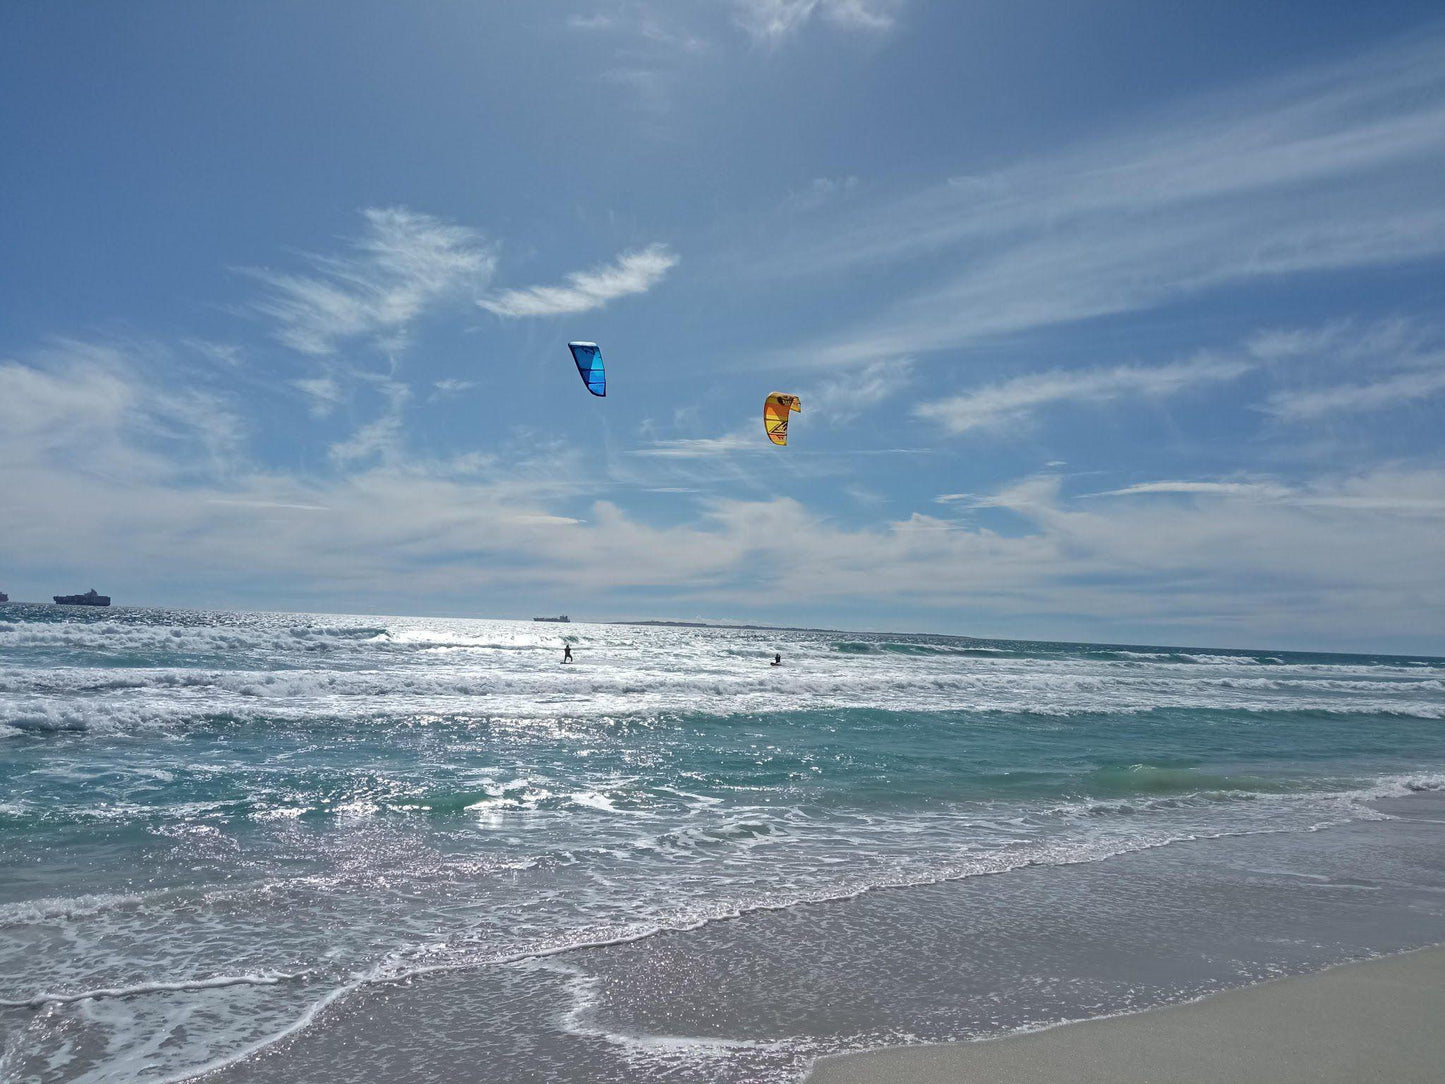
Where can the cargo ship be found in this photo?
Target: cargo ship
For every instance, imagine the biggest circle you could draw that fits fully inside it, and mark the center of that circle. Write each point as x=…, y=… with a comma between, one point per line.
x=564, y=617
x=90, y=598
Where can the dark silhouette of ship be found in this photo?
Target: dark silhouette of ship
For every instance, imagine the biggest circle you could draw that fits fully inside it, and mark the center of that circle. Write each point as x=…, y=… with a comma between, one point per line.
x=564, y=617
x=90, y=598
x=4, y=597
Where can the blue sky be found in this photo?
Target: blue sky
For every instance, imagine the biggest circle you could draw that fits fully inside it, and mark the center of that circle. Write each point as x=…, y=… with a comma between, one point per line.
x=1117, y=321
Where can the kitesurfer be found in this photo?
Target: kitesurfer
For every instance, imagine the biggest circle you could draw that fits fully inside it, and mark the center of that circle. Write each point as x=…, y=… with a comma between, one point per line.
x=777, y=659
x=566, y=652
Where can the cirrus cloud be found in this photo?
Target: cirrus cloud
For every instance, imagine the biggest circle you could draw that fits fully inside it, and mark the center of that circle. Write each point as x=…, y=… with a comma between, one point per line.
x=402, y=263
x=633, y=272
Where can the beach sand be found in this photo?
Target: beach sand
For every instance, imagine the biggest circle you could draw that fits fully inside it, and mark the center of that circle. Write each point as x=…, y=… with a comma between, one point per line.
x=1382, y=1020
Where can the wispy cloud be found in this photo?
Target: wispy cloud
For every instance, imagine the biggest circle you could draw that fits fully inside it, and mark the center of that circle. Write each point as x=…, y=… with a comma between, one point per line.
x=597, y=20
x=650, y=87
x=323, y=394
x=631, y=273
x=1237, y=186
x=378, y=439
x=849, y=394
x=445, y=388
x=1389, y=345
x=640, y=22
x=741, y=440
x=772, y=21
x=403, y=262
x=94, y=409
x=1249, y=490
x=822, y=191
x=1310, y=404
x=1403, y=493
x=1011, y=402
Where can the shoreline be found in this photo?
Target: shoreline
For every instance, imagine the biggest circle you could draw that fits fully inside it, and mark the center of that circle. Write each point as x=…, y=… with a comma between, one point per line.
x=1369, y=1020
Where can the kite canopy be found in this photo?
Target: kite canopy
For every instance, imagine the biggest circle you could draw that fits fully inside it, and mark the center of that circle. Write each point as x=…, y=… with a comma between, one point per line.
x=589, y=366
x=776, y=408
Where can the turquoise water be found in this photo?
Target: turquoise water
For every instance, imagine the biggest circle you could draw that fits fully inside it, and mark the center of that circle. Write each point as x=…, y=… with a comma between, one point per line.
x=218, y=830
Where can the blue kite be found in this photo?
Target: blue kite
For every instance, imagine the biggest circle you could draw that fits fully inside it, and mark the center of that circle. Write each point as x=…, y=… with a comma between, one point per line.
x=589, y=366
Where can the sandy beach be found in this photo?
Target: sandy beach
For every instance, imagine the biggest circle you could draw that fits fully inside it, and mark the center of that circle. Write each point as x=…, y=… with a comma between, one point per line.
x=1378, y=1020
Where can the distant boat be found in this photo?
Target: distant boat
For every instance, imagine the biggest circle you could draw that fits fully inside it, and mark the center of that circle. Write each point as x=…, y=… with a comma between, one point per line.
x=4, y=597
x=564, y=617
x=90, y=598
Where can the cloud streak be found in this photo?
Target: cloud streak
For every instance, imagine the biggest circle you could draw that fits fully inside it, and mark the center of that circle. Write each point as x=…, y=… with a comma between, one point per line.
x=851, y=394
x=741, y=440
x=772, y=21
x=1400, y=390
x=1388, y=345
x=1238, y=186
x=1013, y=402
x=631, y=273
x=1248, y=490
x=403, y=263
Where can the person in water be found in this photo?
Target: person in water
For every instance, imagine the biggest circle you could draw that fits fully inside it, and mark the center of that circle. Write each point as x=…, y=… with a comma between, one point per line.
x=566, y=652
x=777, y=659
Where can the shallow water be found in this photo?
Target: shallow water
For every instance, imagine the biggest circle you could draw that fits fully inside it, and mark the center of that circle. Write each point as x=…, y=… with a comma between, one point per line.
x=256, y=829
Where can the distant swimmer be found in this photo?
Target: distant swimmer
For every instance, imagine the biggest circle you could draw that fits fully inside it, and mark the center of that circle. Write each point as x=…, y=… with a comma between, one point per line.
x=777, y=659
x=566, y=652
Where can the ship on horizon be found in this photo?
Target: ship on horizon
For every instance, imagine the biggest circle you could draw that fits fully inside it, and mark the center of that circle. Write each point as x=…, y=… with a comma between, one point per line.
x=563, y=618
x=90, y=598
x=4, y=597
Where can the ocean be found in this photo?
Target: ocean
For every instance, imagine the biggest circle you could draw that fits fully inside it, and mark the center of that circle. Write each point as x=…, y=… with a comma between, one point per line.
x=285, y=846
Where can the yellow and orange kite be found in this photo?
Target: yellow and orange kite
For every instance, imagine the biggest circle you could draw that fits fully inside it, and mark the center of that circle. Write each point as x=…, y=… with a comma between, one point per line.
x=776, y=409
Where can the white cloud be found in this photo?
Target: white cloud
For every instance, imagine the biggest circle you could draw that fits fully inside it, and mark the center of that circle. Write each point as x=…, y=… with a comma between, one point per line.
x=651, y=90
x=657, y=32
x=379, y=439
x=1388, y=344
x=1391, y=491
x=244, y=502
x=225, y=355
x=742, y=440
x=823, y=191
x=452, y=386
x=91, y=407
x=322, y=392
x=403, y=263
x=1307, y=405
x=376, y=439
x=850, y=394
x=632, y=273
x=1011, y=402
x=645, y=24
x=1247, y=490
x=595, y=21
x=773, y=20
x=1242, y=185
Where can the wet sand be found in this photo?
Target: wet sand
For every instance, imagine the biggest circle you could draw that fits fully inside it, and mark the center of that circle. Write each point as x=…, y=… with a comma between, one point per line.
x=1381, y=1020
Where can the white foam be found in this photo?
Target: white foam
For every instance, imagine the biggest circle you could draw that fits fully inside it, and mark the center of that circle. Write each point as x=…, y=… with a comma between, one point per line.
x=53, y=908
x=215, y=982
